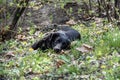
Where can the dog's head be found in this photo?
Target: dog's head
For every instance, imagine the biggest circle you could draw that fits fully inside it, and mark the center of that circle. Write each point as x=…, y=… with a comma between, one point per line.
x=56, y=41
x=59, y=42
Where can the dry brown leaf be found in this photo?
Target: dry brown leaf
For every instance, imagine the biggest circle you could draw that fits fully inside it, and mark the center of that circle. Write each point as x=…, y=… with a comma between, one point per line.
x=85, y=48
x=59, y=63
x=71, y=22
x=21, y=37
x=65, y=52
x=85, y=76
x=10, y=54
x=88, y=46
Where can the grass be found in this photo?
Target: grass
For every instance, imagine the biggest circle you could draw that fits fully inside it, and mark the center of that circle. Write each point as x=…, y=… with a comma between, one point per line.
x=103, y=62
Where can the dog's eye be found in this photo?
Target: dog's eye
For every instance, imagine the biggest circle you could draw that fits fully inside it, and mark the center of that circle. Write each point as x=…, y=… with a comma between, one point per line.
x=58, y=41
x=64, y=42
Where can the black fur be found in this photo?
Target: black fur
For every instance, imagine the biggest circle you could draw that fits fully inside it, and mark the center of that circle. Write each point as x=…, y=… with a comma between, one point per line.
x=58, y=40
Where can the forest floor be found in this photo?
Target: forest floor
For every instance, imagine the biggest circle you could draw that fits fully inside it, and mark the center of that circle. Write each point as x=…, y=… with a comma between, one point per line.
x=96, y=56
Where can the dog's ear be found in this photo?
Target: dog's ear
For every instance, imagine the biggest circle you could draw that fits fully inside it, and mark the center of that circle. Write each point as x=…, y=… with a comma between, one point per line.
x=45, y=42
x=54, y=36
x=51, y=37
x=37, y=44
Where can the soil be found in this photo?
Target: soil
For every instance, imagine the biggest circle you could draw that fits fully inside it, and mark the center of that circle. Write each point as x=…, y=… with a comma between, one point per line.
x=45, y=16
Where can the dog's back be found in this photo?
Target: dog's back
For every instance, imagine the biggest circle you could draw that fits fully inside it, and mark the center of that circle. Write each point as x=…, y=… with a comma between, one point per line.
x=70, y=33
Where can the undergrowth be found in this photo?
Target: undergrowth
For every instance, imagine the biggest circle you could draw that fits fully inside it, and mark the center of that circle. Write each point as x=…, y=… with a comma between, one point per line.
x=103, y=62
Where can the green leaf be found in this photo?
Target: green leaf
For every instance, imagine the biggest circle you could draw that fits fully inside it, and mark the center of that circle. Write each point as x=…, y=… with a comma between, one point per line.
x=63, y=57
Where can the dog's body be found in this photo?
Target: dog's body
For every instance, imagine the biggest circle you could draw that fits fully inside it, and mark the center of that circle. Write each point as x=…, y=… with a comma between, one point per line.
x=58, y=40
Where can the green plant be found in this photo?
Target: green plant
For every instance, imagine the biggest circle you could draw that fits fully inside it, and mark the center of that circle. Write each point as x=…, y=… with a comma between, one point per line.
x=113, y=38
x=32, y=29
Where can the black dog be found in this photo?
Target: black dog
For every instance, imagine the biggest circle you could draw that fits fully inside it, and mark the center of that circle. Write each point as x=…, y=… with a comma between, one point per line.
x=58, y=40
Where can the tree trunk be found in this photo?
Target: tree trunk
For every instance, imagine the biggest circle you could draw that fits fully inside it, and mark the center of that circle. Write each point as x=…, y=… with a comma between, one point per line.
x=99, y=8
x=90, y=4
x=107, y=8
x=116, y=4
x=12, y=27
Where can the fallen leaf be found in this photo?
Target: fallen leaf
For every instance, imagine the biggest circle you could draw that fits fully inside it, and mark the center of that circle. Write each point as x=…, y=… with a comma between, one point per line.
x=21, y=37
x=85, y=48
x=88, y=46
x=37, y=33
x=27, y=29
x=59, y=63
x=71, y=22
x=103, y=66
x=30, y=49
x=36, y=7
x=10, y=54
x=84, y=76
x=65, y=52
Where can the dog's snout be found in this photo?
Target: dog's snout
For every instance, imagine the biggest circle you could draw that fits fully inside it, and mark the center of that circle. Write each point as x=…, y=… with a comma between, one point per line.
x=56, y=49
